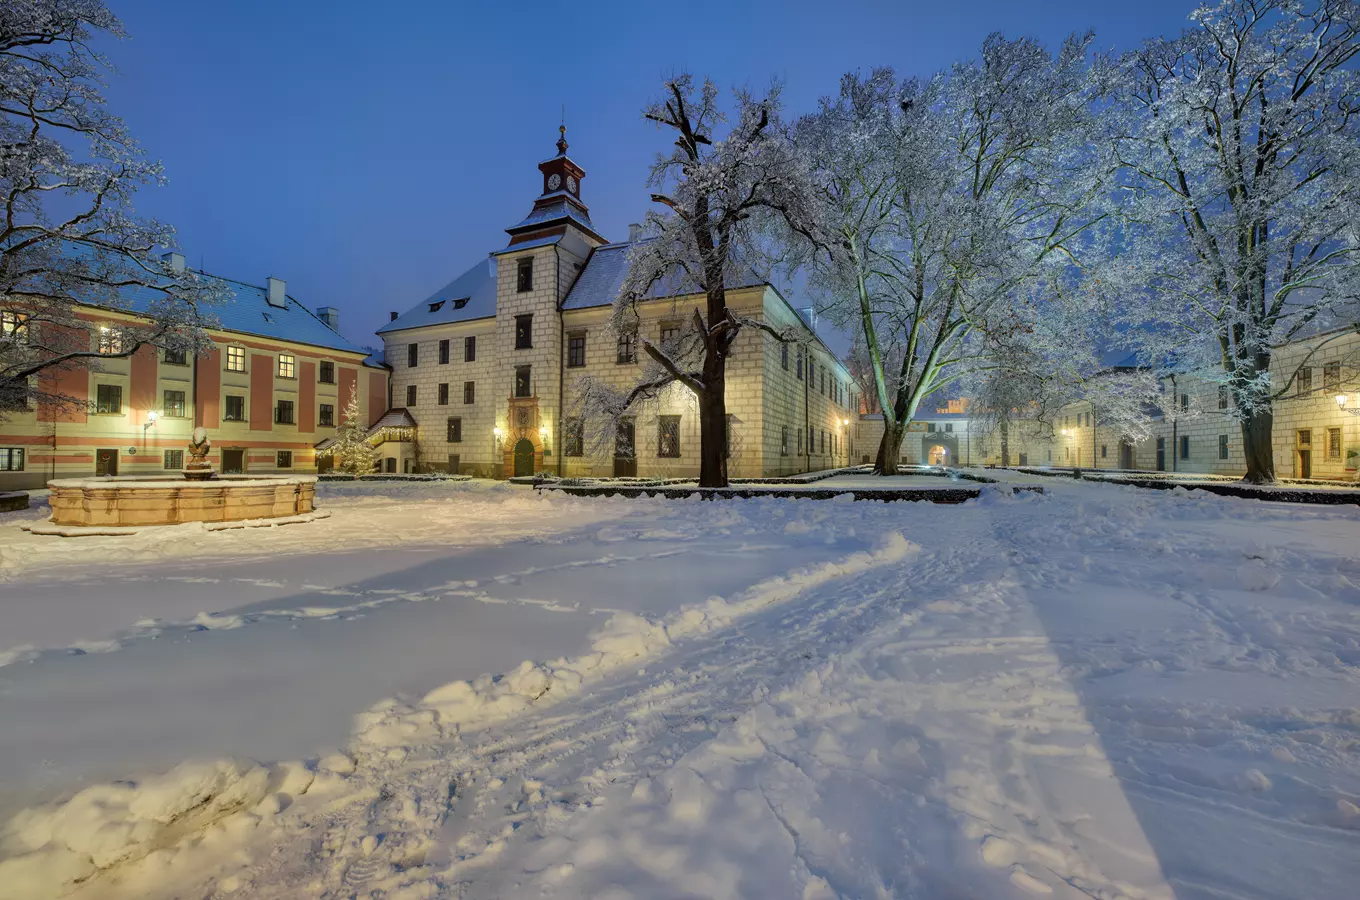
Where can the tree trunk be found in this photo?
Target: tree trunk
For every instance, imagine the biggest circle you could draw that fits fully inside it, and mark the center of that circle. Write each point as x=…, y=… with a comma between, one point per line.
x=1257, y=448
x=1005, y=443
x=713, y=437
x=889, y=449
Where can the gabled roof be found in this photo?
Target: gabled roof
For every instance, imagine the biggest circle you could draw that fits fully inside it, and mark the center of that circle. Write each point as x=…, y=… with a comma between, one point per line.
x=247, y=311
x=600, y=280
x=476, y=286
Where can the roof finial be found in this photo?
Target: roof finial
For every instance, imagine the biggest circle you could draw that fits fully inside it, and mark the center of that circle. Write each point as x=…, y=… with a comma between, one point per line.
x=562, y=131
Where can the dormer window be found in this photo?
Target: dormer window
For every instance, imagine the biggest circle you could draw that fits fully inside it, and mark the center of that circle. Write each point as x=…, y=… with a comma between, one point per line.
x=461, y=302
x=436, y=307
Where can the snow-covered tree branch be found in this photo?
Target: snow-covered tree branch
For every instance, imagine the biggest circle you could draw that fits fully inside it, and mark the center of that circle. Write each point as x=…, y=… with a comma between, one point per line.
x=68, y=234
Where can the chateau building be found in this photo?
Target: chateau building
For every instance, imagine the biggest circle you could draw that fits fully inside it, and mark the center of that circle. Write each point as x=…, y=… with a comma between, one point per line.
x=486, y=371
x=276, y=382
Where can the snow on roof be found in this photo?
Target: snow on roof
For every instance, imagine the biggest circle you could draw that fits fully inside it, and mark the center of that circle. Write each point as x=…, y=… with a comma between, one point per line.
x=559, y=209
x=599, y=282
x=471, y=295
x=529, y=245
x=247, y=310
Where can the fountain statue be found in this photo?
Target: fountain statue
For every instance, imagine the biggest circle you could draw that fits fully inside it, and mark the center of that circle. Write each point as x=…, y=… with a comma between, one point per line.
x=198, y=468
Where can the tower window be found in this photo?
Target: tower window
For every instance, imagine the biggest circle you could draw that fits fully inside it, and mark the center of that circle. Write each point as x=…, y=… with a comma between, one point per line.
x=525, y=275
x=524, y=332
x=523, y=385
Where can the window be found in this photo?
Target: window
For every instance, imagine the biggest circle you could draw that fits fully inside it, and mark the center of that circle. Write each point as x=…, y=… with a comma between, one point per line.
x=236, y=359
x=800, y=442
x=470, y=392
x=284, y=459
x=470, y=348
x=1103, y=454
x=283, y=412
x=173, y=404
x=1185, y=446
x=524, y=281
x=668, y=437
x=444, y=352
x=110, y=341
x=670, y=333
x=822, y=389
x=783, y=440
x=327, y=372
x=627, y=347
x=412, y=355
x=455, y=431
x=176, y=358
x=1331, y=376
x=14, y=324
x=1305, y=379
x=287, y=365
x=1185, y=402
x=326, y=416
x=823, y=447
x=11, y=459
x=576, y=351
x=523, y=386
x=235, y=410
x=109, y=399
x=784, y=358
x=1222, y=446
x=437, y=306
x=461, y=302
x=948, y=426
x=410, y=395
x=1333, y=443
x=524, y=332
x=1222, y=396
x=812, y=440
x=174, y=459
x=800, y=363
x=444, y=394
x=575, y=437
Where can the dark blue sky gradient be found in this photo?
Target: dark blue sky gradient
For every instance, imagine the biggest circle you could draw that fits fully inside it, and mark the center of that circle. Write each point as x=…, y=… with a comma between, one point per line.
x=368, y=153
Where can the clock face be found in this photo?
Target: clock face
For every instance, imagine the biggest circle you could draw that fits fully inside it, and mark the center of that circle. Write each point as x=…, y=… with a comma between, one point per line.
x=554, y=181
x=571, y=184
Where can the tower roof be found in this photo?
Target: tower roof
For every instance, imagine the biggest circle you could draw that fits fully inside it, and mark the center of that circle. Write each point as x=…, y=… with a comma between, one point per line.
x=559, y=206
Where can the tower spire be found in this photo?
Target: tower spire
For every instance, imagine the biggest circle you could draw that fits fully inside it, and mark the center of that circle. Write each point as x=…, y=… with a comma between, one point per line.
x=562, y=134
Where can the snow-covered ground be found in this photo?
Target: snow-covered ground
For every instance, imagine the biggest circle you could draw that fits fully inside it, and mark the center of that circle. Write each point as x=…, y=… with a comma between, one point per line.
x=1098, y=692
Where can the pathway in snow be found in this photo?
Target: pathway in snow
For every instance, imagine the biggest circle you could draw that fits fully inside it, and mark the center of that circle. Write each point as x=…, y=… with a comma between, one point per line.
x=1100, y=692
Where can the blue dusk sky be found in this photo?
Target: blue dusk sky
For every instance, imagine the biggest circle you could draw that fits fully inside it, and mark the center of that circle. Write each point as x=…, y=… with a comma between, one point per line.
x=368, y=153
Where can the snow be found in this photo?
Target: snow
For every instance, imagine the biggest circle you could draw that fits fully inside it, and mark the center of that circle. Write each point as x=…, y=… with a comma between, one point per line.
x=1101, y=691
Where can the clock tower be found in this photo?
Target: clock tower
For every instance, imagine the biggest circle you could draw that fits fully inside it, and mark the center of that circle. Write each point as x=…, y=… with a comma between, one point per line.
x=560, y=203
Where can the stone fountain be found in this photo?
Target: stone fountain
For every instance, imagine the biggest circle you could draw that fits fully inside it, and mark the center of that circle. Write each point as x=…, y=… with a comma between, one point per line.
x=116, y=505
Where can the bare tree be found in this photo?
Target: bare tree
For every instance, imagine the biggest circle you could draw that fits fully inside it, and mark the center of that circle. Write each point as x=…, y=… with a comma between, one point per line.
x=68, y=235
x=719, y=196
x=1238, y=143
x=944, y=199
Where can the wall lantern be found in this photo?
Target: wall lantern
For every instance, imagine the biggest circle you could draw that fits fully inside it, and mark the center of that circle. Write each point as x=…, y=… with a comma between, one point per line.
x=151, y=418
x=1341, y=405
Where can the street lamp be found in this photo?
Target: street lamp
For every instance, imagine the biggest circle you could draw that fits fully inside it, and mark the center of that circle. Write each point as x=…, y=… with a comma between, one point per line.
x=151, y=418
x=1341, y=405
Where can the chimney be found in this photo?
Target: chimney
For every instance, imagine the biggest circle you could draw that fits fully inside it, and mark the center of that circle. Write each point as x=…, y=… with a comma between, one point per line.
x=810, y=317
x=331, y=316
x=175, y=261
x=634, y=231
x=275, y=293
x=394, y=317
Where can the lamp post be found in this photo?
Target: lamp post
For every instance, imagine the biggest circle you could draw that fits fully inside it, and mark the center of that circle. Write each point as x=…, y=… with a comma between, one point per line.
x=151, y=417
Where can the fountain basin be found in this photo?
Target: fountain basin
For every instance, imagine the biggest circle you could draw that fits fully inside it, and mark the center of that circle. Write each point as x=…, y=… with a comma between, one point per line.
x=156, y=500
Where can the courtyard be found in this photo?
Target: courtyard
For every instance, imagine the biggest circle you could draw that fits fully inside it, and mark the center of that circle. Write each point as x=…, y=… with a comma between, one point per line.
x=475, y=689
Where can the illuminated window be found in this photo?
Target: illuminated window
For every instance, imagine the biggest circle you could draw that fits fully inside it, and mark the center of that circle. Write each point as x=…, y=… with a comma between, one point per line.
x=287, y=365
x=110, y=341
x=236, y=359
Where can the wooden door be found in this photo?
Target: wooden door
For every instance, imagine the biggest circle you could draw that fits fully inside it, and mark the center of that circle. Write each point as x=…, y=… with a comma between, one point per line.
x=1125, y=455
x=1305, y=444
x=106, y=462
x=625, y=449
x=1161, y=454
x=233, y=462
x=524, y=457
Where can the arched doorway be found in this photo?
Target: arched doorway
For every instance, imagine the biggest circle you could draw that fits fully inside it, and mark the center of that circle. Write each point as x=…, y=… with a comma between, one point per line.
x=938, y=455
x=524, y=457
